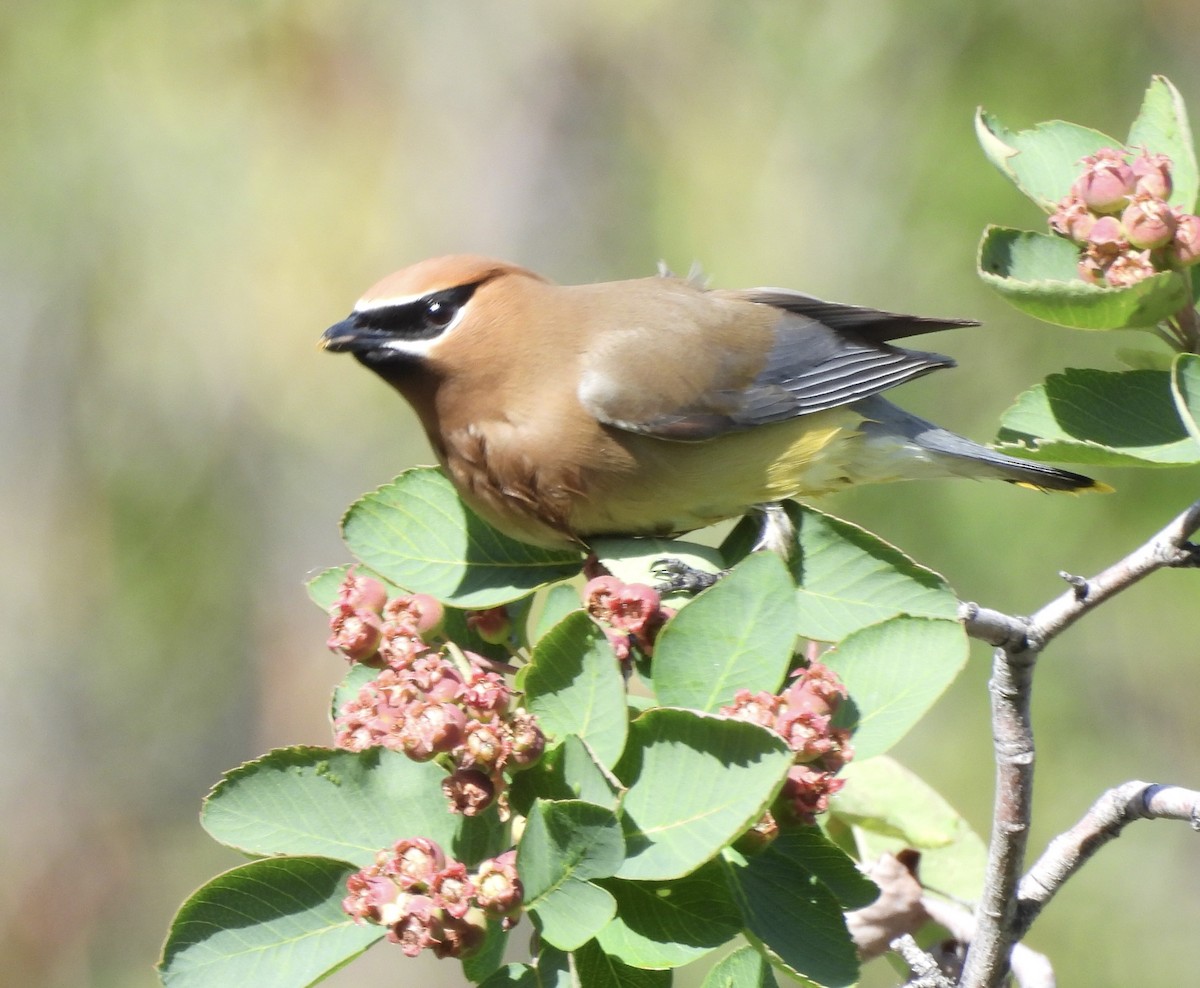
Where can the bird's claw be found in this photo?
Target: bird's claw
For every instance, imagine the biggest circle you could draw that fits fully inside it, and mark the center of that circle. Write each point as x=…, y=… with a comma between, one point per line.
x=676, y=576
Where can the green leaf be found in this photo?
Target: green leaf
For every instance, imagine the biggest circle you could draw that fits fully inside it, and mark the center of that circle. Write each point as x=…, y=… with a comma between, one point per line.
x=596, y=969
x=276, y=923
x=565, y=845
x=849, y=578
x=348, y=689
x=568, y=770
x=895, y=670
x=669, y=924
x=418, y=534
x=1113, y=418
x=696, y=782
x=811, y=850
x=1162, y=127
x=1136, y=358
x=487, y=960
x=323, y=588
x=337, y=804
x=513, y=976
x=794, y=917
x=1036, y=272
x=573, y=685
x=560, y=600
x=883, y=796
x=740, y=634
x=1185, y=389
x=891, y=809
x=744, y=968
x=1042, y=162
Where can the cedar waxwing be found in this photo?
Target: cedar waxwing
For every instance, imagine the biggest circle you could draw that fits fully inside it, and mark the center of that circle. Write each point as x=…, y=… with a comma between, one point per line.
x=653, y=406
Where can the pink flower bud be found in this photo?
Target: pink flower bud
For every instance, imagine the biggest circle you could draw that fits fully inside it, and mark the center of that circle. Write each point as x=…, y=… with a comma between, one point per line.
x=485, y=746
x=355, y=632
x=452, y=889
x=527, y=740
x=462, y=937
x=1106, y=181
x=1129, y=268
x=806, y=793
x=1184, y=249
x=413, y=862
x=621, y=645
x=1108, y=233
x=487, y=695
x=1153, y=174
x=493, y=624
x=370, y=895
x=1072, y=219
x=498, y=887
x=1148, y=222
x=432, y=728
x=418, y=614
x=1091, y=270
x=362, y=592
x=419, y=926
x=470, y=791
x=758, y=708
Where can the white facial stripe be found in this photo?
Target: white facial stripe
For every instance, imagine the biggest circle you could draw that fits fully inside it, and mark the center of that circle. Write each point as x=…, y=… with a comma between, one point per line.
x=370, y=304
x=419, y=348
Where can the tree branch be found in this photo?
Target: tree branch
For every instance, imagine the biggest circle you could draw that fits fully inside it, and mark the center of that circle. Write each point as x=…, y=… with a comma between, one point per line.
x=1103, y=822
x=1018, y=643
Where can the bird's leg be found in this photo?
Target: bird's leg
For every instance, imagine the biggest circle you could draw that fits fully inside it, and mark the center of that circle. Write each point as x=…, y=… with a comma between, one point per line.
x=777, y=534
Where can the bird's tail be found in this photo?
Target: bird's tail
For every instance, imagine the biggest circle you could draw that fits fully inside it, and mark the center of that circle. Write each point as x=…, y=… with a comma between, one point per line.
x=954, y=454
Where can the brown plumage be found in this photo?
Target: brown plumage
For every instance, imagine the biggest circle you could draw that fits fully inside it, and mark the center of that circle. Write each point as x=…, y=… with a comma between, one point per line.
x=651, y=406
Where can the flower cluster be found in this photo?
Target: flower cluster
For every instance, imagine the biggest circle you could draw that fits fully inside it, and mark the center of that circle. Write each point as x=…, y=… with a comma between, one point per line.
x=803, y=716
x=630, y=613
x=1117, y=212
x=425, y=703
x=428, y=901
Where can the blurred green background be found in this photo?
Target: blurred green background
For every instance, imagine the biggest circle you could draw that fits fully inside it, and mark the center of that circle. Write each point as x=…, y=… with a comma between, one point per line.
x=191, y=192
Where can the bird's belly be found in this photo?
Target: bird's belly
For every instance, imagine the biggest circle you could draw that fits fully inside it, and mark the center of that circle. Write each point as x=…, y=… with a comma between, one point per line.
x=674, y=487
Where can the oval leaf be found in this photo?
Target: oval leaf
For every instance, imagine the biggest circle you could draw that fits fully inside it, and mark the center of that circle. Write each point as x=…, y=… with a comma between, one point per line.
x=795, y=917
x=895, y=670
x=1185, y=388
x=695, y=782
x=337, y=804
x=573, y=685
x=740, y=634
x=1035, y=272
x=848, y=578
x=669, y=924
x=1117, y=418
x=417, y=533
x=1162, y=127
x=565, y=845
x=891, y=809
x=276, y=923
x=744, y=968
x=1043, y=161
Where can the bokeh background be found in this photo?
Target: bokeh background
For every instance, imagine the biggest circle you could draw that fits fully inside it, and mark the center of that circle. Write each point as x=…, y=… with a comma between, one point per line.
x=191, y=192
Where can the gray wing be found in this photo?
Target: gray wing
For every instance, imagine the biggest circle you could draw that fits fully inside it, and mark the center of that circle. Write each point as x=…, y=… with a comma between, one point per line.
x=813, y=365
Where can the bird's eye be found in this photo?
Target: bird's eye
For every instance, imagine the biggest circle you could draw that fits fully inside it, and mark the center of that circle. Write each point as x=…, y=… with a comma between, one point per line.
x=439, y=312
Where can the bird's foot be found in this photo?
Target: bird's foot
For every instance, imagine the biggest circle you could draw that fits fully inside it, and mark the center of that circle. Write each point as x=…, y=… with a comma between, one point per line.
x=676, y=576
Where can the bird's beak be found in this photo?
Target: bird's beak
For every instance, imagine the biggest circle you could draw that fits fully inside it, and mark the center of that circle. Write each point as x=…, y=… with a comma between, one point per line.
x=347, y=336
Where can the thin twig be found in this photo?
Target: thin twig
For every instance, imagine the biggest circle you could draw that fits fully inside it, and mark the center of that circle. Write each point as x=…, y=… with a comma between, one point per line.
x=1018, y=643
x=1103, y=822
x=925, y=969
